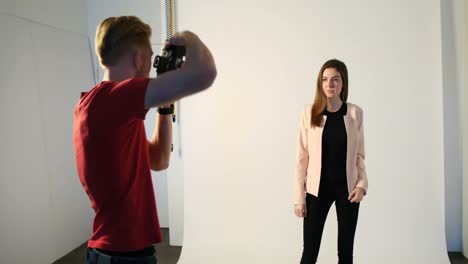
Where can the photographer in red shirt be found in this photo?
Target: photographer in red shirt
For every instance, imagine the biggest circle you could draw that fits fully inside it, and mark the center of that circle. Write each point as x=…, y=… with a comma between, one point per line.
x=113, y=155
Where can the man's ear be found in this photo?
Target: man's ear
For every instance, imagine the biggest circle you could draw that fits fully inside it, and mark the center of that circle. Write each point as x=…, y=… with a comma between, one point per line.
x=137, y=59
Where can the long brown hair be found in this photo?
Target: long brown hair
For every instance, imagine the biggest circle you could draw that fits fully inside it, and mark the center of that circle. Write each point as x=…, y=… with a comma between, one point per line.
x=320, y=101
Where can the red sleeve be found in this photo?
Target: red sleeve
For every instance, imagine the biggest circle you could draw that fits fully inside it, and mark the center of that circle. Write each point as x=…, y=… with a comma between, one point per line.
x=127, y=99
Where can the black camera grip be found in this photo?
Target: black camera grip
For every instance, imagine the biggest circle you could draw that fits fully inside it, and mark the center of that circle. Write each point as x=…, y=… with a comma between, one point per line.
x=171, y=59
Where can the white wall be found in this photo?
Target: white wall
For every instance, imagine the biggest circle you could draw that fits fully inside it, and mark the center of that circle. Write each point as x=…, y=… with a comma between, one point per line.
x=24, y=194
x=65, y=14
x=452, y=58
x=465, y=132
x=240, y=149
x=45, y=64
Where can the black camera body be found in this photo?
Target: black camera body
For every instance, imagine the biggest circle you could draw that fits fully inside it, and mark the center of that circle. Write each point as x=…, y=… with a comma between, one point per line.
x=171, y=59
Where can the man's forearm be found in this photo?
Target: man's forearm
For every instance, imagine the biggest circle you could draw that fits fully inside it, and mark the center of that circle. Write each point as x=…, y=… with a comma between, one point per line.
x=160, y=144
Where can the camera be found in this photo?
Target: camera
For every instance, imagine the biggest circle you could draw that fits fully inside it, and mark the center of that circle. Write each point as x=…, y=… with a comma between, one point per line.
x=171, y=59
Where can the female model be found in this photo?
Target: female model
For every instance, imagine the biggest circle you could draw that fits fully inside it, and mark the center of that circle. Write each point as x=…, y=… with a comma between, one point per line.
x=330, y=163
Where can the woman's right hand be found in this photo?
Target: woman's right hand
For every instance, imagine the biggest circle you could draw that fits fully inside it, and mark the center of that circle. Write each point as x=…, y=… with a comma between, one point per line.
x=300, y=210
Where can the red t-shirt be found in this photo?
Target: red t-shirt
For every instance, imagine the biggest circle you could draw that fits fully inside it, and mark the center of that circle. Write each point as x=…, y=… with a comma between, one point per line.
x=113, y=165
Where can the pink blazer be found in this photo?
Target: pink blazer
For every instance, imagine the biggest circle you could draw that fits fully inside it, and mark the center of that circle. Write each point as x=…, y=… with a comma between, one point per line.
x=309, y=154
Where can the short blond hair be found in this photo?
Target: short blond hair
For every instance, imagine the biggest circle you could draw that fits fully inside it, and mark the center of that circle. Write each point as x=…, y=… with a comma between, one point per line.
x=115, y=36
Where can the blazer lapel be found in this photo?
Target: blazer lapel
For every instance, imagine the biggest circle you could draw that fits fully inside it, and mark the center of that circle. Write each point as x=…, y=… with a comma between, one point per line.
x=350, y=134
x=348, y=125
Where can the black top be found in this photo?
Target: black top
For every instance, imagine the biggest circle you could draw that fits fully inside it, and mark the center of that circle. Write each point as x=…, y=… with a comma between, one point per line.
x=334, y=148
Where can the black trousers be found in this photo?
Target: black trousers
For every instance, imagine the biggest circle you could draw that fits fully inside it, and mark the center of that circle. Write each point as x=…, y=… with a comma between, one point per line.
x=314, y=222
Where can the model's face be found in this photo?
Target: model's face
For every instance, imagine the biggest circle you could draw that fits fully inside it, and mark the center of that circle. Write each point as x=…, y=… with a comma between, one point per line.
x=332, y=84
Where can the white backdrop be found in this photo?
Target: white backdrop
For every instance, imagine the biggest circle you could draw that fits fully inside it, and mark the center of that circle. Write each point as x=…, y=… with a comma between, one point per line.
x=239, y=154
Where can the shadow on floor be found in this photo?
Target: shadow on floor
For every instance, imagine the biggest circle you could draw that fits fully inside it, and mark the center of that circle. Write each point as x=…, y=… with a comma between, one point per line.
x=166, y=254
x=457, y=258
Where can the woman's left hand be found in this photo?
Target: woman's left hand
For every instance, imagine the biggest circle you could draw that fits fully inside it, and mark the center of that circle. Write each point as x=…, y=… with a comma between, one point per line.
x=356, y=195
